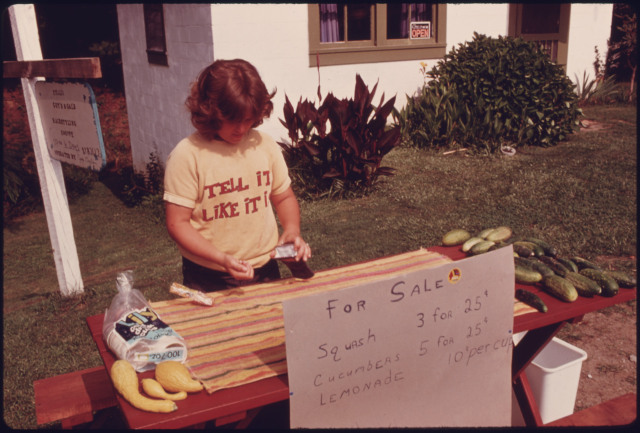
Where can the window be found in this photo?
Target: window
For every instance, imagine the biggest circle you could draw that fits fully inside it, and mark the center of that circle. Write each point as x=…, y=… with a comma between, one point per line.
x=546, y=24
x=540, y=18
x=154, y=31
x=348, y=33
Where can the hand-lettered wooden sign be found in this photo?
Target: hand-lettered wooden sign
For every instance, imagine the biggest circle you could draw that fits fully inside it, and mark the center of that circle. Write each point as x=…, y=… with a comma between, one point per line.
x=431, y=348
x=71, y=124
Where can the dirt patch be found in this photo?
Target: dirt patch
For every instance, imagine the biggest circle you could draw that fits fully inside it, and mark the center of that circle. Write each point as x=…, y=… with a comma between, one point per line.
x=609, y=337
x=592, y=125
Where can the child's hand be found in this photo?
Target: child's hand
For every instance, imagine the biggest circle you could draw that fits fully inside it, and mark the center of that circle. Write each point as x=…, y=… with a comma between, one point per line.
x=303, y=250
x=238, y=269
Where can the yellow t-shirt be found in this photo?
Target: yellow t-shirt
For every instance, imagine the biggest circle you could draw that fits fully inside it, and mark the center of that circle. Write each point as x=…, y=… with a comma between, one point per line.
x=229, y=186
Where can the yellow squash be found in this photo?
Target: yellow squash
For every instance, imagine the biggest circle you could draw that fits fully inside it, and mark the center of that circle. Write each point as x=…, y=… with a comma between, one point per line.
x=175, y=377
x=153, y=388
x=125, y=380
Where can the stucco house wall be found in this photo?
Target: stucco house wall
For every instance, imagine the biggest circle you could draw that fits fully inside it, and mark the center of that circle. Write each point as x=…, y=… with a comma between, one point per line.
x=274, y=37
x=590, y=27
x=155, y=94
x=282, y=56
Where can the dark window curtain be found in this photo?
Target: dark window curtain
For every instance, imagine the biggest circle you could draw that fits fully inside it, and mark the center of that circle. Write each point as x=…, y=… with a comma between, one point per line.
x=154, y=27
x=330, y=23
x=404, y=21
x=399, y=16
x=540, y=18
x=154, y=31
x=358, y=21
x=420, y=12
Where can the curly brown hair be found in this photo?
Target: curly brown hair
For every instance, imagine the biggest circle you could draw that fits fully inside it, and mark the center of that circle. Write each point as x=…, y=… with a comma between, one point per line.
x=228, y=90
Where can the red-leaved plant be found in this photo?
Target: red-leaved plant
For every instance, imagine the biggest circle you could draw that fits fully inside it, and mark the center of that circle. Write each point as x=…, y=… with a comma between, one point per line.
x=344, y=158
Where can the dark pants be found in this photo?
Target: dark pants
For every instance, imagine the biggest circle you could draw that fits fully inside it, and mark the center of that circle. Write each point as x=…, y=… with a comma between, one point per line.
x=204, y=279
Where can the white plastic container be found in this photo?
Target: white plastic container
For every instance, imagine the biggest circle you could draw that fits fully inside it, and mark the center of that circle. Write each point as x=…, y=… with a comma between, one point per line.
x=554, y=376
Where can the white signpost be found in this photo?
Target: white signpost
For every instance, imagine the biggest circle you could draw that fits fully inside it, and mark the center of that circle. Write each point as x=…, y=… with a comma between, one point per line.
x=431, y=348
x=29, y=54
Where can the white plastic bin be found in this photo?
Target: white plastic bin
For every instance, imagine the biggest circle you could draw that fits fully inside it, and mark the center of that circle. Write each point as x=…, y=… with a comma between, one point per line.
x=554, y=376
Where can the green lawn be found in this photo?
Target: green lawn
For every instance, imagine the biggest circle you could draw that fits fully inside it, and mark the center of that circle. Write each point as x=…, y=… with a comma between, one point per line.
x=580, y=196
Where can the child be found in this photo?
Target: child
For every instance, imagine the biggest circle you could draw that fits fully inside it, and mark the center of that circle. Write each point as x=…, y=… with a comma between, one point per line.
x=221, y=181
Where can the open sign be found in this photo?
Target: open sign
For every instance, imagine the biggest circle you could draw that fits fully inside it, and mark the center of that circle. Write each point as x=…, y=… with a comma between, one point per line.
x=421, y=30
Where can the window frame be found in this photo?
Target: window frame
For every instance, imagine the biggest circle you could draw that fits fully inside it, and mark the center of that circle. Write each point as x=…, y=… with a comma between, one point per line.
x=155, y=56
x=379, y=48
x=562, y=36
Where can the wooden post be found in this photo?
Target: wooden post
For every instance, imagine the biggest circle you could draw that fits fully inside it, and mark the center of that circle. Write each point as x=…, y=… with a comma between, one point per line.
x=80, y=67
x=54, y=194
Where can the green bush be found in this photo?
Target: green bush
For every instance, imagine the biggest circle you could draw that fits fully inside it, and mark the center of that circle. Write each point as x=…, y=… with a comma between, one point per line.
x=492, y=92
x=598, y=91
x=21, y=183
x=342, y=158
x=137, y=188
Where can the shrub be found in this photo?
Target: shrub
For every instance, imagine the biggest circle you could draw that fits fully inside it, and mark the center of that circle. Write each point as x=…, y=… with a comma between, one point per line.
x=21, y=182
x=342, y=159
x=626, y=49
x=489, y=92
x=137, y=188
x=597, y=91
x=20, y=185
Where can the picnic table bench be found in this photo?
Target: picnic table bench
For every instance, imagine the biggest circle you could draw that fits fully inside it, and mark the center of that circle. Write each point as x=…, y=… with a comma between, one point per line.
x=621, y=410
x=73, y=398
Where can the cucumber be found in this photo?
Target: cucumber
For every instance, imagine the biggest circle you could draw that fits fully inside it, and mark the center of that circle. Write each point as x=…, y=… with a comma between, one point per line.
x=560, y=288
x=537, y=249
x=622, y=278
x=540, y=267
x=501, y=244
x=481, y=247
x=526, y=275
x=455, y=237
x=499, y=234
x=525, y=263
x=466, y=246
x=608, y=285
x=522, y=251
x=584, y=263
x=555, y=265
x=585, y=286
x=510, y=241
x=549, y=250
x=531, y=299
x=484, y=233
x=568, y=264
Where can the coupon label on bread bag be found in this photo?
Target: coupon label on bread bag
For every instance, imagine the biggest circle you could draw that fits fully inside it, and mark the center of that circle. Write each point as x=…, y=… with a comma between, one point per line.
x=141, y=324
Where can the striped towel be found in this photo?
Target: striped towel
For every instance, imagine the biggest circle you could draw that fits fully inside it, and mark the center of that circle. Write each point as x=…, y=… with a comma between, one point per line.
x=241, y=338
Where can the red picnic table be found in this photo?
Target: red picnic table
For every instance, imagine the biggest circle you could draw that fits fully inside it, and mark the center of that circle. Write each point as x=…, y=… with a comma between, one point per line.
x=232, y=404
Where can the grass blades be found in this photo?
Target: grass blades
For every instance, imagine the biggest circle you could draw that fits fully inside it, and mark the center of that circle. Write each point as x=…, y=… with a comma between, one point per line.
x=579, y=196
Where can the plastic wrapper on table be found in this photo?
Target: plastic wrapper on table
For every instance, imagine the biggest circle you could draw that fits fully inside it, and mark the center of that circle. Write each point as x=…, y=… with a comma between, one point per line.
x=134, y=332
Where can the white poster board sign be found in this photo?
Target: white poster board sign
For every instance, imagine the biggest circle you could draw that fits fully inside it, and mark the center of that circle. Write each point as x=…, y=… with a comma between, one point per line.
x=427, y=349
x=71, y=125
